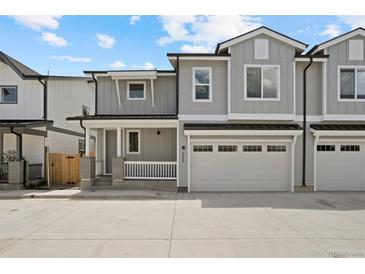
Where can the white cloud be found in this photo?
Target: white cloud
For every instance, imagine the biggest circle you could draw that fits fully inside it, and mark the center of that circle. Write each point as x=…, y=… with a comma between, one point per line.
x=38, y=22
x=134, y=19
x=117, y=65
x=53, y=40
x=105, y=41
x=72, y=59
x=331, y=30
x=146, y=65
x=354, y=21
x=204, y=32
x=195, y=49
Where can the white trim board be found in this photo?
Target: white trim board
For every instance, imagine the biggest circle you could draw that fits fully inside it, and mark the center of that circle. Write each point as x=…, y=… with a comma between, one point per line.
x=261, y=116
x=259, y=31
x=202, y=117
x=341, y=133
x=168, y=123
x=344, y=117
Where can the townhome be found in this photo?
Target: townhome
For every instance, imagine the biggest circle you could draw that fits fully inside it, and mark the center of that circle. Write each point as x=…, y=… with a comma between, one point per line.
x=33, y=108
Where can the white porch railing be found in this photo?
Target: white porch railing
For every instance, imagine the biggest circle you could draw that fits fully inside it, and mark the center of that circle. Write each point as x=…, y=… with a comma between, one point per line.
x=150, y=170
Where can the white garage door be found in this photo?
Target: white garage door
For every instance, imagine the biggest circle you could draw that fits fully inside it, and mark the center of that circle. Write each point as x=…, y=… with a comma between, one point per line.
x=240, y=167
x=341, y=166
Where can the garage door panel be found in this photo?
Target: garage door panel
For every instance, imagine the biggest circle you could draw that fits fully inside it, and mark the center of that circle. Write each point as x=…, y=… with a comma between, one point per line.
x=341, y=170
x=240, y=171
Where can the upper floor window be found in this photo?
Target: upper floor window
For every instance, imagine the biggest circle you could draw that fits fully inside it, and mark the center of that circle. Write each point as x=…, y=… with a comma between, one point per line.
x=8, y=94
x=202, y=84
x=351, y=83
x=262, y=82
x=136, y=90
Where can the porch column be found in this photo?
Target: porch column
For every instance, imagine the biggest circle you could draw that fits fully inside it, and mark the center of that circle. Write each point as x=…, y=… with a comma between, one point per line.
x=119, y=142
x=87, y=142
x=19, y=147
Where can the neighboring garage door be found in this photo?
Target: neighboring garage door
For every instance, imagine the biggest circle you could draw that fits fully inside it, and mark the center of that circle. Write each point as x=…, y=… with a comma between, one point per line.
x=240, y=167
x=341, y=166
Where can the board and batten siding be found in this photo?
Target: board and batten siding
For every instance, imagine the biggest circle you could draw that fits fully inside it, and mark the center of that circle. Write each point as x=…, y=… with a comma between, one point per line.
x=280, y=54
x=314, y=88
x=339, y=56
x=164, y=95
x=218, y=105
x=30, y=96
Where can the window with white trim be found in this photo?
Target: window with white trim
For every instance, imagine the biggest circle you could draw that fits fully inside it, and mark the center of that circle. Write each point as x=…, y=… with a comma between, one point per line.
x=252, y=148
x=227, y=148
x=352, y=83
x=133, y=141
x=202, y=84
x=202, y=148
x=262, y=82
x=8, y=94
x=276, y=148
x=136, y=90
x=350, y=148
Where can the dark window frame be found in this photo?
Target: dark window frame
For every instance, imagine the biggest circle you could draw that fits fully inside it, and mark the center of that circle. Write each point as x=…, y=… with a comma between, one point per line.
x=202, y=148
x=326, y=148
x=350, y=148
x=227, y=148
x=1, y=94
x=276, y=148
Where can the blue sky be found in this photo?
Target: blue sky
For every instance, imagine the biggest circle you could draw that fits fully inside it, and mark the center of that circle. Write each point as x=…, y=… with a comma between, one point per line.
x=67, y=45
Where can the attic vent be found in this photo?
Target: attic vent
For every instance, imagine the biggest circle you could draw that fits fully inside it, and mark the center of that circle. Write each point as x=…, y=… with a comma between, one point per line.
x=356, y=49
x=261, y=49
x=85, y=110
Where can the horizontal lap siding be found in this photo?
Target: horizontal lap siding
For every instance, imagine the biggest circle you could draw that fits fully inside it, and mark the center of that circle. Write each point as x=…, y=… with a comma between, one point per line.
x=279, y=54
x=164, y=97
x=218, y=106
x=339, y=56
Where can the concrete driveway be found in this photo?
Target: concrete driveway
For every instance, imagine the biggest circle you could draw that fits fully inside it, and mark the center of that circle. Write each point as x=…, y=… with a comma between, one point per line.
x=197, y=225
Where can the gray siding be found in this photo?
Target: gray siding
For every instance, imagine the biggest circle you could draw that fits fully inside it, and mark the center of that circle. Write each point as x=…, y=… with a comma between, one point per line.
x=314, y=88
x=218, y=106
x=339, y=56
x=279, y=54
x=164, y=91
x=155, y=147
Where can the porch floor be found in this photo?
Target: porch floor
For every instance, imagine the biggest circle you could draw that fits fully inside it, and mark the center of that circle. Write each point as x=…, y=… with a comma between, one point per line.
x=156, y=185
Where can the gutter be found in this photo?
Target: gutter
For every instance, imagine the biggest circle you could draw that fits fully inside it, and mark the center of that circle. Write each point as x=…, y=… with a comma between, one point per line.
x=82, y=126
x=45, y=89
x=305, y=120
x=177, y=84
x=21, y=157
x=96, y=92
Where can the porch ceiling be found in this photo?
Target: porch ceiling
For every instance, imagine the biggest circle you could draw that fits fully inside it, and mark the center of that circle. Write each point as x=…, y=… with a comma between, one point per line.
x=25, y=123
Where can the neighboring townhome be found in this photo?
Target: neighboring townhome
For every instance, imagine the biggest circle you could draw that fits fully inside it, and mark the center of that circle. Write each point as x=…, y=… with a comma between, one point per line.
x=336, y=113
x=33, y=108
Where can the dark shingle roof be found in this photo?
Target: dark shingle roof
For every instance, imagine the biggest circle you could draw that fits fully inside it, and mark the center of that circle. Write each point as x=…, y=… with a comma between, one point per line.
x=337, y=127
x=122, y=117
x=242, y=127
x=20, y=68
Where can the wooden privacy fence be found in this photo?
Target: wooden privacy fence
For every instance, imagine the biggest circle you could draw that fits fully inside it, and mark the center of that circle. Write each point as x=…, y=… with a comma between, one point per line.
x=64, y=168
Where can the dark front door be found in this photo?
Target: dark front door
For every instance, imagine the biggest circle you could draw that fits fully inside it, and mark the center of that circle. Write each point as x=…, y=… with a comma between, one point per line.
x=111, y=149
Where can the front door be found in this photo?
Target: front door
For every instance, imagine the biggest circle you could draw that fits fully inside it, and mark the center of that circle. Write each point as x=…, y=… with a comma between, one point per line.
x=111, y=149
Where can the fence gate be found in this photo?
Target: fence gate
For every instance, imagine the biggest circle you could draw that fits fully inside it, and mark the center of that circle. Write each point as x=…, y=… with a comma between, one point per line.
x=64, y=168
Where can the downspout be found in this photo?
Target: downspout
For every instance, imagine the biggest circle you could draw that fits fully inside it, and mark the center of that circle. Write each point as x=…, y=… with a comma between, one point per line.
x=177, y=84
x=21, y=156
x=82, y=126
x=45, y=88
x=305, y=120
x=96, y=93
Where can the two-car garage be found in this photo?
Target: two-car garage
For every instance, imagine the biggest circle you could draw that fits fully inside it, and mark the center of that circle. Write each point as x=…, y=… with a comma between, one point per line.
x=241, y=157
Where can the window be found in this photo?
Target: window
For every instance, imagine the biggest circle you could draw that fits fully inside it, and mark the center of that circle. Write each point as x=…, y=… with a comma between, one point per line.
x=352, y=83
x=261, y=49
x=276, y=148
x=202, y=148
x=227, y=148
x=136, y=90
x=133, y=141
x=202, y=84
x=356, y=49
x=326, y=148
x=8, y=94
x=252, y=148
x=350, y=148
x=262, y=82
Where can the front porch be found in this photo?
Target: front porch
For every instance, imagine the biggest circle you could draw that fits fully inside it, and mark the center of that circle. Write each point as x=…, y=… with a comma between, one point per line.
x=131, y=154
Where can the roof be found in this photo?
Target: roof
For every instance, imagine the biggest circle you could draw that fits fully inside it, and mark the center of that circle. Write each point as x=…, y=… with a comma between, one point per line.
x=188, y=126
x=338, y=39
x=21, y=69
x=198, y=54
x=122, y=117
x=338, y=126
x=131, y=70
x=260, y=30
x=25, y=123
